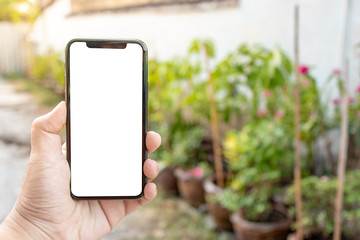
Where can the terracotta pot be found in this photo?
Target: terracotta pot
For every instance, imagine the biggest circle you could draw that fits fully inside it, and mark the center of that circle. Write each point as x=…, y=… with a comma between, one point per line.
x=167, y=181
x=246, y=230
x=190, y=188
x=220, y=215
x=319, y=236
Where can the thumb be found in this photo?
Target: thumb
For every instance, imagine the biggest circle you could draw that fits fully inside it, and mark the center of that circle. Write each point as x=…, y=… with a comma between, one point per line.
x=45, y=130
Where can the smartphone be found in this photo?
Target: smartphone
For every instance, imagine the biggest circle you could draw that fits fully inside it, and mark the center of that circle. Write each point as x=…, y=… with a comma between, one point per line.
x=106, y=98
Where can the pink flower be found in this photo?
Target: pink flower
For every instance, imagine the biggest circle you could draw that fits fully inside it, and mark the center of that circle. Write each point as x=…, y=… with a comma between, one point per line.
x=267, y=93
x=336, y=101
x=336, y=72
x=303, y=69
x=306, y=82
x=358, y=89
x=197, y=172
x=262, y=112
x=279, y=113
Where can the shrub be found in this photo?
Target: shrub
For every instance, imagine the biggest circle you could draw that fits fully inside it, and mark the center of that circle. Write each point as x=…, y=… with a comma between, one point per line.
x=318, y=194
x=48, y=70
x=259, y=157
x=185, y=148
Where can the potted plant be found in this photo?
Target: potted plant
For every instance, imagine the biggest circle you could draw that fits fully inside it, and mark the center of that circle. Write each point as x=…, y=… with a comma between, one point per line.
x=166, y=114
x=192, y=167
x=235, y=82
x=353, y=153
x=318, y=206
x=183, y=162
x=259, y=158
x=220, y=214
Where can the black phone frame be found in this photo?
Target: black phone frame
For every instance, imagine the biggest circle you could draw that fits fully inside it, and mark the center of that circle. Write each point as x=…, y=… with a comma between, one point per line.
x=144, y=111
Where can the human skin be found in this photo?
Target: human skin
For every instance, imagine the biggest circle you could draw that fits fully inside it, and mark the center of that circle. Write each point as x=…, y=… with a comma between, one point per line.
x=44, y=208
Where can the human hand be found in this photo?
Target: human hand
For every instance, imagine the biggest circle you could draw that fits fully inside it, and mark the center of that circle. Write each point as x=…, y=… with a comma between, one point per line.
x=44, y=208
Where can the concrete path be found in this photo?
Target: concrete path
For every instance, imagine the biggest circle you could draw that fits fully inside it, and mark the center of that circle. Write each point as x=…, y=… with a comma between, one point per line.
x=17, y=111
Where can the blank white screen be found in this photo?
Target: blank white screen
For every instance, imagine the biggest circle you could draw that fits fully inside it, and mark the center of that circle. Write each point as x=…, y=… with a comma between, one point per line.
x=106, y=120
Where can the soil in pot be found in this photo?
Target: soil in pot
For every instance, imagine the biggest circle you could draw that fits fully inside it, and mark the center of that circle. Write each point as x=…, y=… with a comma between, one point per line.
x=190, y=188
x=167, y=181
x=276, y=226
x=220, y=215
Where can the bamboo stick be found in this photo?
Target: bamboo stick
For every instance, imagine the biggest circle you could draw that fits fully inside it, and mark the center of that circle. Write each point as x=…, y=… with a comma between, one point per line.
x=214, y=121
x=342, y=160
x=297, y=164
x=344, y=133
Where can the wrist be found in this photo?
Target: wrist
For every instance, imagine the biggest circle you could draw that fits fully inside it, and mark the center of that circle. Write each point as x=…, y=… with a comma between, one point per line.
x=10, y=229
x=16, y=226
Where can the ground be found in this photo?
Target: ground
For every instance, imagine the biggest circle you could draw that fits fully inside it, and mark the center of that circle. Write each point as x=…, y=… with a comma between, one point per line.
x=164, y=218
x=17, y=112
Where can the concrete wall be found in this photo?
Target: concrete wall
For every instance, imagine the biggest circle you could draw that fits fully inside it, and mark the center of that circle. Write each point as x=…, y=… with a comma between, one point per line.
x=91, y=5
x=168, y=31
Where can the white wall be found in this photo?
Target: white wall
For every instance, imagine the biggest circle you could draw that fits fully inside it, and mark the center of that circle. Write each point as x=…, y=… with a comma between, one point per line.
x=169, y=32
x=12, y=47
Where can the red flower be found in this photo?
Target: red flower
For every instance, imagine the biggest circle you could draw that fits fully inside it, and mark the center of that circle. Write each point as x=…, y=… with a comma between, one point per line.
x=279, y=113
x=262, y=112
x=336, y=72
x=197, y=172
x=358, y=89
x=336, y=101
x=267, y=93
x=351, y=100
x=339, y=100
x=303, y=69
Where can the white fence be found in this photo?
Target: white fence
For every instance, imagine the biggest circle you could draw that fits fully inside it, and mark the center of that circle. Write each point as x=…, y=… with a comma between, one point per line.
x=12, y=48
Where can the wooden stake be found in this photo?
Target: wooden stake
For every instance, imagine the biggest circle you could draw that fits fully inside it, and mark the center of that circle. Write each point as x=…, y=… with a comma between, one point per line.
x=342, y=160
x=344, y=133
x=214, y=121
x=297, y=163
